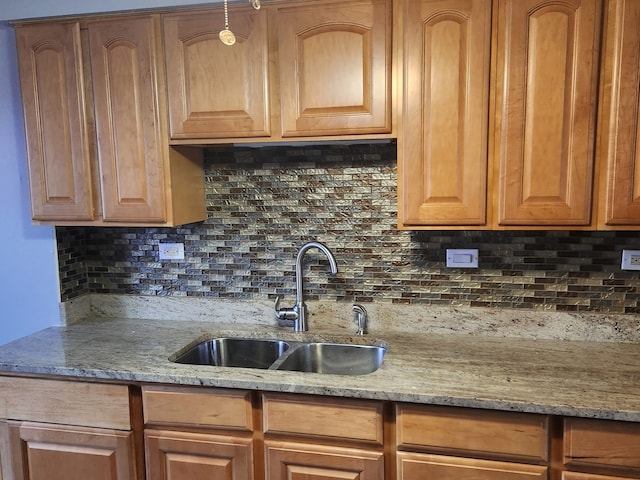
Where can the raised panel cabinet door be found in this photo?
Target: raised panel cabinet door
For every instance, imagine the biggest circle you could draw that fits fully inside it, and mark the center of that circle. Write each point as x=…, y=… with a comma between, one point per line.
x=419, y=466
x=619, y=136
x=57, y=452
x=546, y=92
x=197, y=456
x=51, y=77
x=216, y=90
x=443, y=153
x=298, y=461
x=335, y=68
x=129, y=118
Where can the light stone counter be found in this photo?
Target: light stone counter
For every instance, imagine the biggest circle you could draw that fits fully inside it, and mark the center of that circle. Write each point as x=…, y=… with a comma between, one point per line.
x=464, y=368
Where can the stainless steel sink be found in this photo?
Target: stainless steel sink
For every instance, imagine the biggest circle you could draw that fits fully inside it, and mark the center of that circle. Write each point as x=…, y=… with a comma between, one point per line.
x=235, y=352
x=334, y=358
x=299, y=356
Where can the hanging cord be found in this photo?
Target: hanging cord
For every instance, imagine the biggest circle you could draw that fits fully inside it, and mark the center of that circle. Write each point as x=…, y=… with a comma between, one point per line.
x=226, y=36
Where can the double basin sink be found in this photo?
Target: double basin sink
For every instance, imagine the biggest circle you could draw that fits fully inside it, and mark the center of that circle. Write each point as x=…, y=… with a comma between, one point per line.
x=299, y=356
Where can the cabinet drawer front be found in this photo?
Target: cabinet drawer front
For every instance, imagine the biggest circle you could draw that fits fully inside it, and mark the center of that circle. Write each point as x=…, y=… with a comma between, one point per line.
x=199, y=407
x=68, y=403
x=596, y=443
x=492, y=434
x=359, y=420
x=418, y=466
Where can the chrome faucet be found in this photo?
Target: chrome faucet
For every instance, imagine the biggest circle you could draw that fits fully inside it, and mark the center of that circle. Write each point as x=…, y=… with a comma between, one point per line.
x=299, y=311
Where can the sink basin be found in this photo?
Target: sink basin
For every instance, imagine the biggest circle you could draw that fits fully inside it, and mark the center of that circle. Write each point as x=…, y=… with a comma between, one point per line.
x=299, y=356
x=235, y=352
x=334, y=358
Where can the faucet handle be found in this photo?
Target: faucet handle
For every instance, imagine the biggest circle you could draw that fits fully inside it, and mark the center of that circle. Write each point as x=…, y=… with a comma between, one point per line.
x=361, y=318
x=284, y=313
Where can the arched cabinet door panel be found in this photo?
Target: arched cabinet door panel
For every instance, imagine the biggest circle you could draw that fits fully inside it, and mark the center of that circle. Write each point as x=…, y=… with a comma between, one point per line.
x=335, y=68
x=546, y=91
x=216, y=90
x=443, y=160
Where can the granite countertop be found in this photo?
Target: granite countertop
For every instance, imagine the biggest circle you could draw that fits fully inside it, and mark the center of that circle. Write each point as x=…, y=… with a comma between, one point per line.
x=575, y=378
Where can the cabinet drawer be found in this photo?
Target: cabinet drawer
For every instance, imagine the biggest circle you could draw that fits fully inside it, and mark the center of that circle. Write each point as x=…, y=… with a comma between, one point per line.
x=485, y=433
x=67, y=402
x=601, y=443
x=359, y=420
x=230, y=409
x=418, y=466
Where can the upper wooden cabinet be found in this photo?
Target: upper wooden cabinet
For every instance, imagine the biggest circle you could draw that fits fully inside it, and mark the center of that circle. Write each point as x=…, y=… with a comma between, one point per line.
x=57, y=137
x=295, y=71
x=215, y=90
x=334, y=67
x=95, y=125
x=531, y=162
x=443, y=152
x=619, y=126
x=546, y=91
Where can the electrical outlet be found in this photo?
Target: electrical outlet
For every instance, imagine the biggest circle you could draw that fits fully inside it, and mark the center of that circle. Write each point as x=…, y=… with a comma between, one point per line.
x=462, y=258
x=171, y=251
x=630, y=260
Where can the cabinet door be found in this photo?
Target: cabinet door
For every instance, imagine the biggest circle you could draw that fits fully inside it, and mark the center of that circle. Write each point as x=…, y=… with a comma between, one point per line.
x=197, y=456
x=619, y=135
x=335, y=68
x=51, y=77
x=129, y=118
x=216, y=90
x=56, y=452
x=418, y=466
x=546, y=91
x=297, y=461
x=443, y=155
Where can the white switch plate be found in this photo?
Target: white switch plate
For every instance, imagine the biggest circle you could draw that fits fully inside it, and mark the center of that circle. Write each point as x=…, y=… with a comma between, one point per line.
x=630, y=260
x=462, y=257
x=171, y=251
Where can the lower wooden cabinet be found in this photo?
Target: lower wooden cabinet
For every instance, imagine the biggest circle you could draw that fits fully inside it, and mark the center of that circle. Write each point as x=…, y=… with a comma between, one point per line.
x=444, y=443
x=52, y=429
x=420, y=466
x=58, y=452
x=197, y=456
x=69, y=430
x=301, y=461
x=600, y=447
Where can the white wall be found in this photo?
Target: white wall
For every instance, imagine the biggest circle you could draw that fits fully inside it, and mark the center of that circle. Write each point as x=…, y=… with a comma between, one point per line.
x=29, y=287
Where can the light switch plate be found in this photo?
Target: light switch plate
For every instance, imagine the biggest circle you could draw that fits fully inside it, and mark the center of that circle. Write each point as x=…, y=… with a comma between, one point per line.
x=630, y=260
x=171, y=251
x=462, y=257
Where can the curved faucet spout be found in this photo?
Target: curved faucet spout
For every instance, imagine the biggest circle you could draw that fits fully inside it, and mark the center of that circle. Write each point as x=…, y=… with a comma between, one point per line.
x=299, y=311
x=300, y=258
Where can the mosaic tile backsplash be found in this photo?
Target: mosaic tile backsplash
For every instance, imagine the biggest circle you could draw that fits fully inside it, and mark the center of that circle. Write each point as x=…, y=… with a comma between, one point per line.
x=263, y=203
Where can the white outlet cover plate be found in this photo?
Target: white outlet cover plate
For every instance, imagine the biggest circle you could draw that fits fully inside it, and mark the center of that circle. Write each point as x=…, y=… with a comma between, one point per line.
x=630, y=260
x=462, y=257
x=171, y=251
